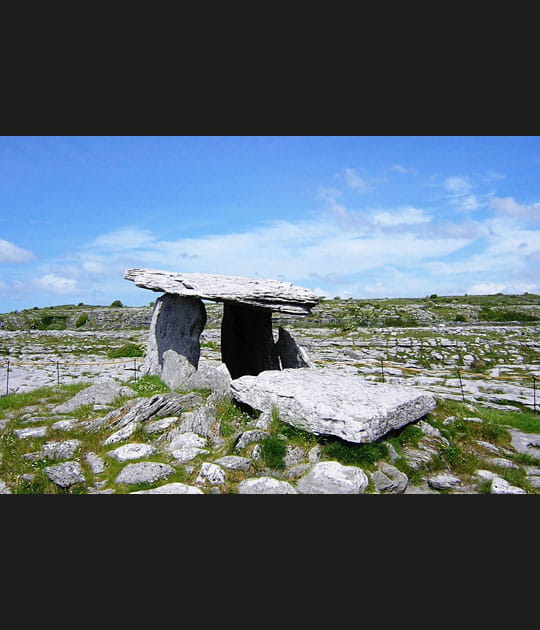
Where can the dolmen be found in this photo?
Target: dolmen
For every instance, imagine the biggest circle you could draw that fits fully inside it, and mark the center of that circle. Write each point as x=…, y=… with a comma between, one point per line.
x=266, y=374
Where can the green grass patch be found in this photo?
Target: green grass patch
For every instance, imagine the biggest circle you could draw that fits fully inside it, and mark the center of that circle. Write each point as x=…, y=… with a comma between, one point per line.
x=348, y=454
x=149, y=385
x=273, y=451
x=56, y=394
x=128, y=350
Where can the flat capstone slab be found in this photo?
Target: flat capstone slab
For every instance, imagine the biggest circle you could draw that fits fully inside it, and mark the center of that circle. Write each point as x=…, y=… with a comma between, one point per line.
x=327, y=401
x=282, y=297
x=144, y=472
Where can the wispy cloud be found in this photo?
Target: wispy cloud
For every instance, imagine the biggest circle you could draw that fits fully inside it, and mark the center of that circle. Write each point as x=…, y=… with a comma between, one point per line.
x=355, y=181
x=10, y=253
x=404, y=170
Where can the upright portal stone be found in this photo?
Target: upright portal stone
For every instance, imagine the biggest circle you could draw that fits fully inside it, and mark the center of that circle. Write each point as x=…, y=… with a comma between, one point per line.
x=174, y=348
x=290, y=353
x=247, y=344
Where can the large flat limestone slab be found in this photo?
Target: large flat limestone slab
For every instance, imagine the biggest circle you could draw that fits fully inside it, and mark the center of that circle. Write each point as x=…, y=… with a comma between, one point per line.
x=325, y=401
x=282, y=297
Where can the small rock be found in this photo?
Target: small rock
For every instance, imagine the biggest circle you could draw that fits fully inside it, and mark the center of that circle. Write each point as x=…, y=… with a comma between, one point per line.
x=65, y=425
x=33, y=432
x=95, y=462
x=185, y=454
x=131, y=451
x=160, y=425
x=4, y=488
x=248, y=437
x=333, y=478
x=443, y=481
x=502, y=462
x=122, y=434
x=294, y=455
x=60, y=449
x=233, y=462
x=65, y=474
x=264, y=421
x=144, y=472
x=265, y=485
x=449, y=420
x=389, y=479
x=298, y=471
x=171, y=488
x=473, y=420
x=211, y=474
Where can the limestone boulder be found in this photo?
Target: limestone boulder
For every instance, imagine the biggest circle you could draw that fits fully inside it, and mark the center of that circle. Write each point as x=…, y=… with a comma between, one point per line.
x=103, y=392
x=326, y=401
x=333, y=478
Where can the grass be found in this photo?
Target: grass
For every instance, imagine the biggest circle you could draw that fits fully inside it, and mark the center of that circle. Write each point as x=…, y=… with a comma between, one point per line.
x=149, y=385
x=128, y=350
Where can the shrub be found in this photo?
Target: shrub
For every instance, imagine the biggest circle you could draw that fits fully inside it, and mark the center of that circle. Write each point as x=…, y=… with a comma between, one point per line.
x=273, y=451
x=127, y=350
x=81, y=321
x=117, y=304
x=355, y=454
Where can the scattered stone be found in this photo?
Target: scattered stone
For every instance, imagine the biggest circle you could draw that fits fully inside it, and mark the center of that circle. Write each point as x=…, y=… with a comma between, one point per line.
x=234, y=462
x=122, y=434
x=171, y=488
x=444, y=481
x=325, y=401
x=249, y=437
x=4, y=488
x=333, y=478
x=144, y=472
x=95, y=462
x=293, y=455
x=264, y=421
x=432, y=431
x=202, y=421
x=160, y=425
x=295, y=472
x=449, y=420
x=526, y=443
x=502, y=462
x=66, y=474
x=488, y=446
x=215, y=377
x=314, y=455
x=34, y=432
x=65, y=425
x=105, y=391
x=389, y=479
x=211, y=474
x=178, y=439
x=265, y=485
x=473, y=420
x=498, y=484
x=131, y=451
x=60, y=449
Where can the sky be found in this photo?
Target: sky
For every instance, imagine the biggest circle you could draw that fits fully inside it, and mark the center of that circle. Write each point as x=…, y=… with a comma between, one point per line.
x=348, y=216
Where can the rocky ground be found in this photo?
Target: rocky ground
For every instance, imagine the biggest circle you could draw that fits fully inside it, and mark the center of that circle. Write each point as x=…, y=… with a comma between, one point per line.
x=483, y=436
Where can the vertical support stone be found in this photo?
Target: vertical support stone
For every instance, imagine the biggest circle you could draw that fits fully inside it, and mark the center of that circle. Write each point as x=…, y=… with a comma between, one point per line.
x=174, y=349
x=247, y=344
x=290, y=353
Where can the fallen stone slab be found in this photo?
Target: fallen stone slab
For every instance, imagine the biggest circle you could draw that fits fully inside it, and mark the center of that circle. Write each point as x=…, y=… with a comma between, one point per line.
x=144, y=472
x=171, y=488
x=325, y=401
x=282, y=297
x=131, y=451
x=265, y=485
x=103, y=392
x=333, y=478
x=65, y=474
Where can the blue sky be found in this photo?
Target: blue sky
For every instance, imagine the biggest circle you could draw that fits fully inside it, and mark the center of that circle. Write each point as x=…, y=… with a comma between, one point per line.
x=354, y=216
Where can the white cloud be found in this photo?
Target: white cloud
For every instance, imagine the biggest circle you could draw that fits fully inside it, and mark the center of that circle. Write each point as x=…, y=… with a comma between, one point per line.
x=404, y=170
x=10, y=253
x=356, y=182
x=403, y=216
x=485, y=288
x=457, y=185
x=56, y=284
x=509, y=207
x=123, y=239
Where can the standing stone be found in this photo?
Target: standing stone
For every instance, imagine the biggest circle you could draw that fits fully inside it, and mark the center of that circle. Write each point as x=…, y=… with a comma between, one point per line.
x=174, y=348
x=247, y=343
x=289, y=352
